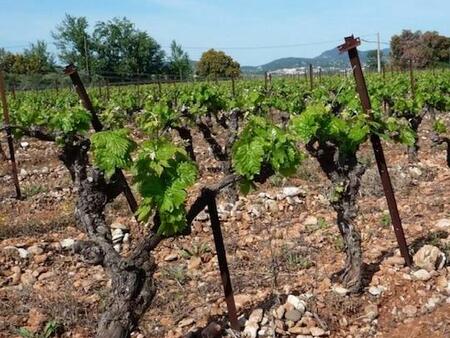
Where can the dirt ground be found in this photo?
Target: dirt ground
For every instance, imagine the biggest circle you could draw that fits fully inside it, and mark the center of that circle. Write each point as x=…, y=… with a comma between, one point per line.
x=275, y=249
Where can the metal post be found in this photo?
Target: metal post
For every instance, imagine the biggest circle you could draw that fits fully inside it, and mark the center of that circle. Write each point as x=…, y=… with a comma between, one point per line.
x=84, y=97
x=412, y=80
x=159, y=85
x=87, y=104
x=222, y=258
x=311, y=76
x=9, y=137
x=265, y=81
x=233, y=87
x=378, y=53
x=13, y=89
x=350, y=46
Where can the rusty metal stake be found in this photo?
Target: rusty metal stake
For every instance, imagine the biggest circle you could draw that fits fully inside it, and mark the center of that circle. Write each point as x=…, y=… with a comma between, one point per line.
x=87, y=104
x=350, y=46
x=222, y=258
x=9, y=137
x=84, y=97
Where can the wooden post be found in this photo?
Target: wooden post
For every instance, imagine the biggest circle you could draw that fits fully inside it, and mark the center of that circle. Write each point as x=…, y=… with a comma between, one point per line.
x=9, y=136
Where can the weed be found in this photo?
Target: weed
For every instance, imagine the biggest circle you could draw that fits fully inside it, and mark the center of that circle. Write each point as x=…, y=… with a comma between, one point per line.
x=295, y=260
x=51, y=329
x=197, y=250
x=34, y=189
x=176, y=273
x=338, y=243
x=385, y=220
x=321, y=224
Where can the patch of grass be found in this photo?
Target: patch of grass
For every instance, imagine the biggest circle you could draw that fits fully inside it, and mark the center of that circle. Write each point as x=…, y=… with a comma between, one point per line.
x=197, y=250
x=338, y=243
x=322, y=224
x=176, y=273
x=294, y=259
x=51, y=329
x=385, y=220
x=34, y=189
x=276, y=180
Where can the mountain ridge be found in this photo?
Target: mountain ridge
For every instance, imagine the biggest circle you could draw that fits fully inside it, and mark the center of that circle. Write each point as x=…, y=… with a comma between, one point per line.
x=327, y=59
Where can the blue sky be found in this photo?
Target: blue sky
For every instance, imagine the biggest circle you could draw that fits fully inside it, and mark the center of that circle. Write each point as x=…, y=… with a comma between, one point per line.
x=200, y=24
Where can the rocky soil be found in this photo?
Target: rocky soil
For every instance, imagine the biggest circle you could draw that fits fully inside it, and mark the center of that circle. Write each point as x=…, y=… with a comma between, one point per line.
x=282, y=244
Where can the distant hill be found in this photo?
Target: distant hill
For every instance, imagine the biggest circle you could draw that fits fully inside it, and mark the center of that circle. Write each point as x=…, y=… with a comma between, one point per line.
x=328, y=59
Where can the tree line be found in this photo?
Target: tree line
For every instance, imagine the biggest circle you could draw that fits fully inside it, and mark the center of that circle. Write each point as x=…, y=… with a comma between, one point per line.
x=423, y=49
x=113, y=48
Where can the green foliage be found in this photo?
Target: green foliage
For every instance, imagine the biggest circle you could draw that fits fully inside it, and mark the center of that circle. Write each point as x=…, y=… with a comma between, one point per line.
x=439, y=127
x=347, y=131
x=385, y=219
x=112, y=150
x=197, y=250
x=51, y=329
x=217, y=64
x=179, y=63
x=163, y=173
x=263, y=143
x=202, y=99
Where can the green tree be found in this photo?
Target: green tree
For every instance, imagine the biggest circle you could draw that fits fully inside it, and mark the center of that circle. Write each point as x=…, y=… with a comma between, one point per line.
x=121, y=48
x=39, y=59
x=217, y=64
x=34, y=60
x=6, y=60
x=74, y=42
x=424, y=49
x=179, y=61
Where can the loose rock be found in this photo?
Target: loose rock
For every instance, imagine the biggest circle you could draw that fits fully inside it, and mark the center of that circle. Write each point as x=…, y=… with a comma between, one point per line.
x=430, y=258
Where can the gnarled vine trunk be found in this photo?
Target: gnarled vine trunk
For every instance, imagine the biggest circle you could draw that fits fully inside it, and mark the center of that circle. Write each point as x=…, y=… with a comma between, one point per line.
x=132, y=287
x=344, y=172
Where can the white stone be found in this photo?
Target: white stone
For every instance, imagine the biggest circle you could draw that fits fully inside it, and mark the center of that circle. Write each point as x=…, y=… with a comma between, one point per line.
x=117, y=235
x=429, y=258
x=251, y=330
x=310, y=220
x=443, y=223
x=340, y=290
x=256, y=316
x=67, y=243
x=317, y=332
x=126, y=238
x=185, y=322
x=376, y=291
x=292, y=191
x=23, y=253
x=421, y=274
x=297, y=303
x=119, y=225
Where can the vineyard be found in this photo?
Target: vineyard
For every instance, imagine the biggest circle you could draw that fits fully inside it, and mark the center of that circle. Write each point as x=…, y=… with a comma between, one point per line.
x=127, y=192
